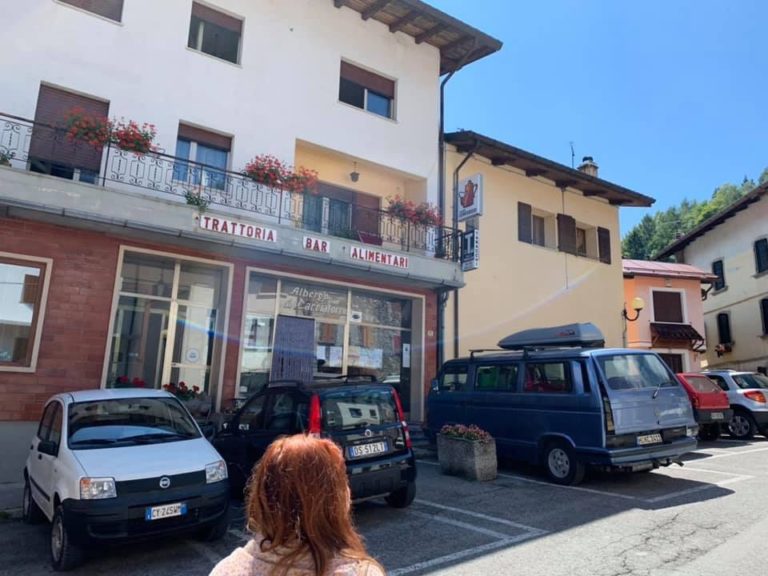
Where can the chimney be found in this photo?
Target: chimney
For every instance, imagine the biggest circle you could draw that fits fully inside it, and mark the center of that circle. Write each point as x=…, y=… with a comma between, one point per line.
x=588, y=166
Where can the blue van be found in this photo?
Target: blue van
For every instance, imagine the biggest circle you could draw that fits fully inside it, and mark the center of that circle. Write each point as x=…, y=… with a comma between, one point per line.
x=555, y=396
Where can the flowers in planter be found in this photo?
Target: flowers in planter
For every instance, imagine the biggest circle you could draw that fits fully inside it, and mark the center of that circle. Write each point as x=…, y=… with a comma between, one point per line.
x=125, y=382
x=272, y=171
x=472, y=433
x=97, y=131
x=196, y=199
x=182, y=391
x=425, y=214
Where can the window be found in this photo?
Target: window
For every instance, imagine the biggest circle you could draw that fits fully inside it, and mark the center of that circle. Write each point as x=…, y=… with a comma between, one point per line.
x=586, y=241
x=535, y=226
x=112, y=9
x=206, y=148
x=22, y=290
x=366, y=90
x=538, y=231
x=548, y=378
x=44, y=428
x=674, y=361
x=454, y=378
x=496, y=378
x=581, y=241
x=719, y=271
x=604, y=245
x=215, y=33
x=724, y=328
x=668, y=306
x=719, y=380
x=251, y=416
x=50, y=151
x=761, y=255
x=764, y=315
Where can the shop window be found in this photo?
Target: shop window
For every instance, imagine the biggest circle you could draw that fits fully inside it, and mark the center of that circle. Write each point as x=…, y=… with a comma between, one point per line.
x=366, y=90
x=22, y=293
x=215, y=33
x=761, y=255
x=718, y=270
x=667, y=306
x=210, y=152
x=111, y=9
x=724, y=328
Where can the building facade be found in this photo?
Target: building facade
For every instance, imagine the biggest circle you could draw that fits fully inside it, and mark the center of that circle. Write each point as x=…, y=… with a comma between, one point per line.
x=124, y=264
x=672, y=321
x=549, y=249
x=733, y=245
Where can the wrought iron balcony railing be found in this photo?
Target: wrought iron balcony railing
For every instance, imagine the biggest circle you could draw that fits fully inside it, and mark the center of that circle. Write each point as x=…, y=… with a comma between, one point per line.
x=42, y=148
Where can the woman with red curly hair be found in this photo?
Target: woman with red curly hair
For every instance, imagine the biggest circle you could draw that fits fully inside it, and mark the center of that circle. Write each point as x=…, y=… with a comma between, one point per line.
x=298, y=510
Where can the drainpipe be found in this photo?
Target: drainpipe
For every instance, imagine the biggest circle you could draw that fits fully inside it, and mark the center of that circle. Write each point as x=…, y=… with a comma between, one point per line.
x=456, y=227
x=442, y=294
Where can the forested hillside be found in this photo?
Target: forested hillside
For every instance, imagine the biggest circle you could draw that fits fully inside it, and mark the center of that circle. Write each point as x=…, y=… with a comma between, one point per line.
x=654, y=233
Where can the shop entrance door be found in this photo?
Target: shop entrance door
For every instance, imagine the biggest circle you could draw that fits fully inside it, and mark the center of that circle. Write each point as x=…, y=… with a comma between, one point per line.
x=294, y=353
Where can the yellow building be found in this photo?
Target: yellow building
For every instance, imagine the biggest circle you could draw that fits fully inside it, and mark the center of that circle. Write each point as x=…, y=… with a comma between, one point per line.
x=549, y=245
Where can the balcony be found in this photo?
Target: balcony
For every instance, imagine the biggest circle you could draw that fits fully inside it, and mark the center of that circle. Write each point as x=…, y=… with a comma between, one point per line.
x=44, y=149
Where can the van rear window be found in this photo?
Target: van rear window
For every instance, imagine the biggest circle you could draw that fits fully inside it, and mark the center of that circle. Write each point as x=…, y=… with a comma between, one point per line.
x=348, y=409
x=634, y=371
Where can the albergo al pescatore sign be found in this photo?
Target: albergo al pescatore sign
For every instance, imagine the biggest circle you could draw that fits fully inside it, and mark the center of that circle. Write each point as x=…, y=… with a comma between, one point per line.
x=312, y=244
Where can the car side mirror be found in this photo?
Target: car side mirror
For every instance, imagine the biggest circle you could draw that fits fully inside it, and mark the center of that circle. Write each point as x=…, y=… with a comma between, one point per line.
x=435, y=385
x=48, y=447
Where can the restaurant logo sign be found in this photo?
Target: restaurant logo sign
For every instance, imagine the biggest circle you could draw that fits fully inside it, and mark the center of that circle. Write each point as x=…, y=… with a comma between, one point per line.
x=469, y=197
x=235, y=228
x=378, y=257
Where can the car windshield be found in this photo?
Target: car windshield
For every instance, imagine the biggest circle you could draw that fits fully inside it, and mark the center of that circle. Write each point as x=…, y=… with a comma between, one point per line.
x=128, y=422
x=745, y=381
x=348, y=409
x=634, y=371
x=702, y=384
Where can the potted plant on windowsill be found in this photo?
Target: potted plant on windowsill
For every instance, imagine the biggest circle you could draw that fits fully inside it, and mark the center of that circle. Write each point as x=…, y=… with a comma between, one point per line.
x=467, y=451
x=197, y=402
x=98, y=131
x=273, y=172
x=6, y=157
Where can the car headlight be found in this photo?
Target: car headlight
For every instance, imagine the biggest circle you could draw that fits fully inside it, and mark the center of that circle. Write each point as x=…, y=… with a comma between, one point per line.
x=691, y=431
x=215, y=472
x=97, y=488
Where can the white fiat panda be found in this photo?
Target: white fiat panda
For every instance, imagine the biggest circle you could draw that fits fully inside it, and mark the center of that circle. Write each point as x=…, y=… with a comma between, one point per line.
x=116, y=465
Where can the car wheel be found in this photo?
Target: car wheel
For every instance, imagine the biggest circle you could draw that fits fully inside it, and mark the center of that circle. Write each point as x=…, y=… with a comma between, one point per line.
x=402, y=497
x=742, y=426
x=216, y=530
x=30, y=511
x=562, y=465
x=709, y=432
x=64, y=554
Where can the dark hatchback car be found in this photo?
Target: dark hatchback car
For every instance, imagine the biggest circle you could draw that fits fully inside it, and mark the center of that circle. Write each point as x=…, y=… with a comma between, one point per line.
x=363, y=417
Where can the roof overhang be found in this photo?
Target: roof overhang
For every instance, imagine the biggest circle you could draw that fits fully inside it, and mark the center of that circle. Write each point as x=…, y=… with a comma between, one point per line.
x=673, y=332
x=459, y=43
x=535, y=166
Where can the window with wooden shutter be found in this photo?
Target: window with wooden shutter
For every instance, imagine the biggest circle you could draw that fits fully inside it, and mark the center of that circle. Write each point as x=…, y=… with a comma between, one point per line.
x=524, y=230
x=50, y=151
x=604, y=244
x=667, y=306
x=761, y=255
x=215, y=33
x=112, y=9
x=566, y=234
x=724, y=328
x=764, y=315
x=718, y=270
x=366, y=90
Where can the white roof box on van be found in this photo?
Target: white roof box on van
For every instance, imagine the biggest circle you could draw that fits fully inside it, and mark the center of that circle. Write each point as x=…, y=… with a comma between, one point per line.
x=583, y=335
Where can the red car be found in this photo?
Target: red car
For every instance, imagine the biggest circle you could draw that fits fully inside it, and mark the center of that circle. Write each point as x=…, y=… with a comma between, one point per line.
x=711, y=407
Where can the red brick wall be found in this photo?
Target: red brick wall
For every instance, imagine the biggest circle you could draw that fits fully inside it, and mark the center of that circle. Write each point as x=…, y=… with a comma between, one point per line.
x=74, y=334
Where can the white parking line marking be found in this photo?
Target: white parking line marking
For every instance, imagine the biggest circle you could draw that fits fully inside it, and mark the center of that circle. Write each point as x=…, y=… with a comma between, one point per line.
x=689, y=469
x=739, y=453
x=486, y=517
x=460, y=524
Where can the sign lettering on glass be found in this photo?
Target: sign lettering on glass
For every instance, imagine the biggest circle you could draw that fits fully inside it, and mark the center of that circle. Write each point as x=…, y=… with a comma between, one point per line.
x=313, y=301
x=235, y=228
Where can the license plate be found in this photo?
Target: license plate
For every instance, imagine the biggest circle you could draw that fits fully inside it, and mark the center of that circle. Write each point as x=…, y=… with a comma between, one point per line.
x=716, y=415
x=649, y=439
x=361, y=450
x=166, y=511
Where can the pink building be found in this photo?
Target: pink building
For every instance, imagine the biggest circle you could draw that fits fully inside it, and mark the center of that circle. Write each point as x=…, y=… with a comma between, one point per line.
x=670, y=318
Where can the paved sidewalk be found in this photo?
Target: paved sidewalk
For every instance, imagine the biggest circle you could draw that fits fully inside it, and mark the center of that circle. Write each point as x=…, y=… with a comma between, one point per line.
x=10, y=498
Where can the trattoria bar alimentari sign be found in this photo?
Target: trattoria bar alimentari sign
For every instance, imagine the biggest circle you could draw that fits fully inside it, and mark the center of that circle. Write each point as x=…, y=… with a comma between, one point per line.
x=378, y=257
x=235, y=228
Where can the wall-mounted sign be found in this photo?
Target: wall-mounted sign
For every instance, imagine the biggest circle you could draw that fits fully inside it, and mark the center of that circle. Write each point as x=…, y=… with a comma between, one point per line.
x=470, y=197
x=378, y=257
x=317, y=245
x=470, y=250
x=235, y=228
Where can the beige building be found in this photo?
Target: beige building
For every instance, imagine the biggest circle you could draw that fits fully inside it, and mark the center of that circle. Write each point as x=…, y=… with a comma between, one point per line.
x=733, y=244
x=549, y=247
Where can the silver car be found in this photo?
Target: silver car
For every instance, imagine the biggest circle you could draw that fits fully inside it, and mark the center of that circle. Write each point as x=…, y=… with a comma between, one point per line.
x=748, y=395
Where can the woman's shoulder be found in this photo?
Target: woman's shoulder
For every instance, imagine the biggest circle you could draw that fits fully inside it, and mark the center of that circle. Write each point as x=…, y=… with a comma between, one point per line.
x=358, y=568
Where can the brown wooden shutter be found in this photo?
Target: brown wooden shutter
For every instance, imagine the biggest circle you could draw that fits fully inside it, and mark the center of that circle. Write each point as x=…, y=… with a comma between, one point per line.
x=667, y=307
x=604, y=244
x=566, y=234
x=369, y=80
x=30, y=289
x=216, y=17
x=524, y=226
x=205, y=137
x=49, y=141
x=112, y=9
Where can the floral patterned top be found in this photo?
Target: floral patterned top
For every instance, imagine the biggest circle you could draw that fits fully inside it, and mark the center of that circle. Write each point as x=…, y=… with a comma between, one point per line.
x=249, y=560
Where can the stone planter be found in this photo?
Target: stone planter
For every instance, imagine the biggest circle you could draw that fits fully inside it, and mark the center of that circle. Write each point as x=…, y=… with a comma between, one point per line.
x=471, y=459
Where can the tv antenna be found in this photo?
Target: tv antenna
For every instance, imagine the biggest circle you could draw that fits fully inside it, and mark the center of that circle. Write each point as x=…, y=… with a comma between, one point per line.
x=573, y=155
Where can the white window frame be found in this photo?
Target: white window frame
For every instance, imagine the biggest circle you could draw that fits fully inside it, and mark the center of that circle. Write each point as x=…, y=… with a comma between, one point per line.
x=48, y=263
x=201, y=31
x=550, y=228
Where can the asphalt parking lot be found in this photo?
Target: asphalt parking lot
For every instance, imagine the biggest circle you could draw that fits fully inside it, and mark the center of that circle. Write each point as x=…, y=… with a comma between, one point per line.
x=676, y=521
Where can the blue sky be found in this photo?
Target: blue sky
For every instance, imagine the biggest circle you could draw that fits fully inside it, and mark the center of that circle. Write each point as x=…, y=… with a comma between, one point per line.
x=669, y=97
